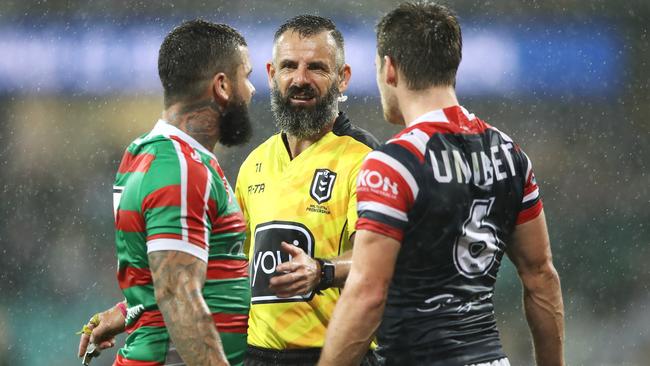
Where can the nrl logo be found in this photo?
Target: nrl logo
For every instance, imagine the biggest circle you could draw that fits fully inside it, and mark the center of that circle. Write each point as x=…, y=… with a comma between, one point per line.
x=322, y=184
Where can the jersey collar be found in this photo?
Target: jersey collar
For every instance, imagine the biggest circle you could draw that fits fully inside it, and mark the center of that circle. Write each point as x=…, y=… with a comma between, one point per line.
x=163, y=128
x=441, y=115
x=341, y=123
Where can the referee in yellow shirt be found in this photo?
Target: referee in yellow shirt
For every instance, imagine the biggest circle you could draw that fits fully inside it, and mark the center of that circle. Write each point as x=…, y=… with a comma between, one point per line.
x=297, y=193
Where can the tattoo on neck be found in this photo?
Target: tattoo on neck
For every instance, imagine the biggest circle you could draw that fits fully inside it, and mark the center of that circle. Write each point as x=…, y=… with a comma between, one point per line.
x=198, y=120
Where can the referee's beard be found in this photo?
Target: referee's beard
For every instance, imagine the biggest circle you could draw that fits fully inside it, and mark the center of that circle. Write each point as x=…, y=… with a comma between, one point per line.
x=303, y=122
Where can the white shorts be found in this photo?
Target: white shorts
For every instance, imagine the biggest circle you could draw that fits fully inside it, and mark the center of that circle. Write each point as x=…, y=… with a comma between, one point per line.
x=500, y=362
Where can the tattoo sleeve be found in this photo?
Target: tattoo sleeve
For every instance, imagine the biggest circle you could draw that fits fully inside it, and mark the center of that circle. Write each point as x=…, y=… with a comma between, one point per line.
x=178, y=280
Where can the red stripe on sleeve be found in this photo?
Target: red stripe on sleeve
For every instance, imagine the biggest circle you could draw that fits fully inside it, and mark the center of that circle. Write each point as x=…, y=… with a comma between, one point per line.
x=165, y=236
x=226, y=268
x=130, y=276
x=529, y=213
x=380, y=228
x=139, y=163
x=230, y=223
x=129, y=221
x=530, y=185
x=162, y=197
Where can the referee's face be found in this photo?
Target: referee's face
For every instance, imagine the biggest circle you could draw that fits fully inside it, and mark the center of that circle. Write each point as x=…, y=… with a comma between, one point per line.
x=305, y=68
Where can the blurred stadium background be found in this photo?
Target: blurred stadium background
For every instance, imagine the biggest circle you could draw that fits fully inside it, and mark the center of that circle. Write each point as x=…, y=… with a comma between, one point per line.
x=568, y=79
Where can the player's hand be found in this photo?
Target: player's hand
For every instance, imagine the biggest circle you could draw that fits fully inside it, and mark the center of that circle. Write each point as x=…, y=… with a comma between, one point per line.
x=299, y=276
x=101, y=330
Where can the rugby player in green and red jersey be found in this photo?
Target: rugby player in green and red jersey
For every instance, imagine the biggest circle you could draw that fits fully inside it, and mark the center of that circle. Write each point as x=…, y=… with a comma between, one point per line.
x=179, y=229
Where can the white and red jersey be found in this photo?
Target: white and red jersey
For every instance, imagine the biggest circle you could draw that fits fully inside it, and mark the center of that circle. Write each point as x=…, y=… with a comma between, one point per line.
x=451, y=189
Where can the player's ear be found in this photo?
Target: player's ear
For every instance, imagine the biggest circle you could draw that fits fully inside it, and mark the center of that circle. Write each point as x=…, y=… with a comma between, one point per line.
x=390, y=73
x=221, y=88
x=270, y=72
x=344, y=77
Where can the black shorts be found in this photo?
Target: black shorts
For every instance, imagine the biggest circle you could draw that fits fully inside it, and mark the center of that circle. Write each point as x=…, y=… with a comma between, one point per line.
x=256, y=356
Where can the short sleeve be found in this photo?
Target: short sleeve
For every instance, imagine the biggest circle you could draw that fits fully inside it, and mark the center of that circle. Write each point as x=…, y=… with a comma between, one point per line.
x=531, y=203
x=175, y=206
x=241, y=199
x=386, y=191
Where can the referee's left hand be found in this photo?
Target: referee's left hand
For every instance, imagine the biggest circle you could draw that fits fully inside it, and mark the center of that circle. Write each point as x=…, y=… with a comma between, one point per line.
x=299, y=276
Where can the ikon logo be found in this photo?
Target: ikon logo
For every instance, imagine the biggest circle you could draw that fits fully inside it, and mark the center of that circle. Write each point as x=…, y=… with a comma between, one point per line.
x=374, y=180
x=322, y=184
x=268, y=255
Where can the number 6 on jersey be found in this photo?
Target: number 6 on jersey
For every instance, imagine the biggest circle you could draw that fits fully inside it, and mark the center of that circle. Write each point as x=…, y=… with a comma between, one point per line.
x=476, y=248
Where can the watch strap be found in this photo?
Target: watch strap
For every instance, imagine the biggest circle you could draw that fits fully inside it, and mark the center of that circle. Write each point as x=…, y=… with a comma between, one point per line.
x=326, y=275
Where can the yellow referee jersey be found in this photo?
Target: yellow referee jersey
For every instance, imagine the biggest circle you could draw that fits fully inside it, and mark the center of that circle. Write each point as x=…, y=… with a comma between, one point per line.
x=309, y=201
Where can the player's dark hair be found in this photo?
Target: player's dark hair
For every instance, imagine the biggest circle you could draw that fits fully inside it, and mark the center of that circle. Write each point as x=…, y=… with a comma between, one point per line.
x=424, y=41
x=194, y=52
x=311, y=25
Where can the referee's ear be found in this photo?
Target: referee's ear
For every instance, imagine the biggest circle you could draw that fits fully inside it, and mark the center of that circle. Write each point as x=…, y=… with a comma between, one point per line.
x=270, y=72
x=344, y=78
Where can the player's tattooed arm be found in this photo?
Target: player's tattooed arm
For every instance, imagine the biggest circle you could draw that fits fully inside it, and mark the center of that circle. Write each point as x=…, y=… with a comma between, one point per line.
x=178, y=281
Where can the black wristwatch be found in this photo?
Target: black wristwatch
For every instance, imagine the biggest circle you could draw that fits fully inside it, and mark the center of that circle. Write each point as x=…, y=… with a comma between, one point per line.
x=326, y=275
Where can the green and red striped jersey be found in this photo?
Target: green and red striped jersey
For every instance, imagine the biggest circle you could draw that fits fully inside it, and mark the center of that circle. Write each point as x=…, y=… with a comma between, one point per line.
x=171, y=194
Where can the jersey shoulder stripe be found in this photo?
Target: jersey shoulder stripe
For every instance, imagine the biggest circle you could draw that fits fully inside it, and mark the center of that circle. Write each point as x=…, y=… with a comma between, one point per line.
x=135, y=163
x=388, y=161
x=383, y=209
x=387, y=188
x=130, y=221
x=162, y=197
x=415, y=141
x=531, y=203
